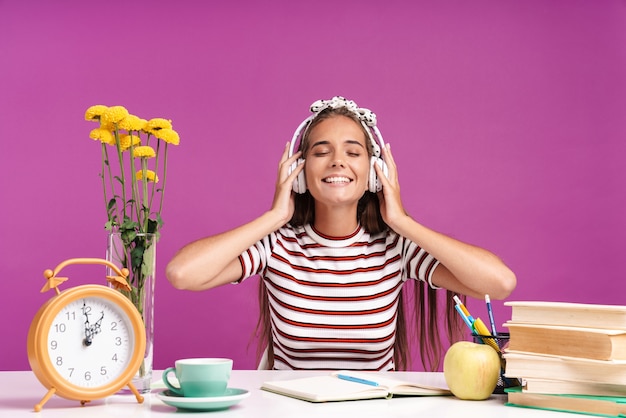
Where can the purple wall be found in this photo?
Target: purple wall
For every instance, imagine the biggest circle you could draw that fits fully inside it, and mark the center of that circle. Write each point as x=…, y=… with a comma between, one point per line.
x=507, y=119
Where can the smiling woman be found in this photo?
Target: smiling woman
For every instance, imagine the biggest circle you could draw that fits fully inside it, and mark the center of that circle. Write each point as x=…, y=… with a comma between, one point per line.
x=334, y=255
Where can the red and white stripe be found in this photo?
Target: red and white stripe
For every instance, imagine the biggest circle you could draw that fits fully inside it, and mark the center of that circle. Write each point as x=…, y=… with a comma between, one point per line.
x=334, y=301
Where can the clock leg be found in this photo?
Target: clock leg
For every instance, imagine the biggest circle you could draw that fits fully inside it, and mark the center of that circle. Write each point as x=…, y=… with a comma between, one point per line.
x=136, y=392
x=45, y=399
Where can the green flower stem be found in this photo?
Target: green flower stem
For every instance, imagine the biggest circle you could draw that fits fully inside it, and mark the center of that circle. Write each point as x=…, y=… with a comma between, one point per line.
x=123, y=176
x=156, y=170
x=105, y=161
x=145, y=203
x=164, y=177
x=134, y=187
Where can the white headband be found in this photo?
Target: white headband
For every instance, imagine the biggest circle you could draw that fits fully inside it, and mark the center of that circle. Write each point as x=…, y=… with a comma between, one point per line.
x=365, y=115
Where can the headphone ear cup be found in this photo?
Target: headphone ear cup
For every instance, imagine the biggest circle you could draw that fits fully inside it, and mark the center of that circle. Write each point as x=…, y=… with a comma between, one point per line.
x=374, y=184
x=299, y=184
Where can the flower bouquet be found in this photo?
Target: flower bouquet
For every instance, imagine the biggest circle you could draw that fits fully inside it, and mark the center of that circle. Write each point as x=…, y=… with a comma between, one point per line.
x=133, y=174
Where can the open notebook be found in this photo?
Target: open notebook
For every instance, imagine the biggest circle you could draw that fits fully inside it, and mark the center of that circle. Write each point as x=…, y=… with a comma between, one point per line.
x=350, y=385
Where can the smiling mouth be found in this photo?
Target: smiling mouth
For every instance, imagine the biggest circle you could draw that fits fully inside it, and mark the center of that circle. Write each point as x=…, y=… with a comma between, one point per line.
x=337, y=180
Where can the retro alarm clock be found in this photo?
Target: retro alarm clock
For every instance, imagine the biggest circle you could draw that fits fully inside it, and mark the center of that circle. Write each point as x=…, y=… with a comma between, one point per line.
x=86, y=342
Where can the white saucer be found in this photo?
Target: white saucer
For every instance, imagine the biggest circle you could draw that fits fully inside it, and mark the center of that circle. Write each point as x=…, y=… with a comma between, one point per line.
x=231, y=397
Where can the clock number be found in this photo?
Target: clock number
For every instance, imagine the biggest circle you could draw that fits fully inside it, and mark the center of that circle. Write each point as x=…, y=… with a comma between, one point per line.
x=59, y=361
x=113, y=326
x=70, y=315
x=53, y=345
x=60, y=327
x=71, y=369
x=87, y=375
x=103, y=371
x=114, y=358
x=118, y=341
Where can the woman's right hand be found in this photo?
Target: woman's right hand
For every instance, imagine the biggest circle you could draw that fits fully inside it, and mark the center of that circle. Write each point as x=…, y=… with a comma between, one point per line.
x=283, y=204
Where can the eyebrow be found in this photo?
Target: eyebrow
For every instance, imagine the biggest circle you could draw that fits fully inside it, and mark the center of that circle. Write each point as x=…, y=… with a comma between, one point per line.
x=349, y=141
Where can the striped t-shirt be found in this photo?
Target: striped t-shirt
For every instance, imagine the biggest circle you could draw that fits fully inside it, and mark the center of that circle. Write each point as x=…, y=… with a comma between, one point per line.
x=334, y=301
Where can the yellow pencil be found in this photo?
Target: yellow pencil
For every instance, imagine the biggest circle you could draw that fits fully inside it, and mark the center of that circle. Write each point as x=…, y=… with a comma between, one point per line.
x=481, y=329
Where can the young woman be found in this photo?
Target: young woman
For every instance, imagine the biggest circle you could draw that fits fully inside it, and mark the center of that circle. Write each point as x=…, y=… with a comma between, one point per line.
x=333, y=257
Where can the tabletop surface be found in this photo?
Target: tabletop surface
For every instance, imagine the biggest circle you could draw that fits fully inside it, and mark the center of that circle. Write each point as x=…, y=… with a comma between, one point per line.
x=21, y=391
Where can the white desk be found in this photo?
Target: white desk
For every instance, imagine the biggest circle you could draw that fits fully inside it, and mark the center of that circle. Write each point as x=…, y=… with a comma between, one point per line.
x=20, y=391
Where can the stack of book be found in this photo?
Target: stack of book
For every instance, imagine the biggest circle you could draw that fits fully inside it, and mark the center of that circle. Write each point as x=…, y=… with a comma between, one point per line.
x=569, y=357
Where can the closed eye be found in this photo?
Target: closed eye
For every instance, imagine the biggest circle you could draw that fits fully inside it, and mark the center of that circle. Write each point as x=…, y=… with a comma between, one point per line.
x=320, y=153
x=322, y=148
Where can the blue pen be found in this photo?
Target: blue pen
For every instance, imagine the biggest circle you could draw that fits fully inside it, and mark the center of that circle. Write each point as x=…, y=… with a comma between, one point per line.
x=357, y=380
x=494, y=330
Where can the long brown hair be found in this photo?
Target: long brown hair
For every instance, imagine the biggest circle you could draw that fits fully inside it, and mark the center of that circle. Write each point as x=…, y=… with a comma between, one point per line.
x=420, y=299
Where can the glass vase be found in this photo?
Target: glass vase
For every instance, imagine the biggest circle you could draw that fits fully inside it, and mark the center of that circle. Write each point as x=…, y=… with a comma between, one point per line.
x=137, y=253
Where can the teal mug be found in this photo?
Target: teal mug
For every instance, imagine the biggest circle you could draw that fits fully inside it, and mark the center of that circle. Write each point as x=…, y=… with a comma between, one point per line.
x=199, y=377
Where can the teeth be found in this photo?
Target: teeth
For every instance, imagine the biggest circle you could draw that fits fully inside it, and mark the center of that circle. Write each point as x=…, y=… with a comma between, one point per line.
x=337, y=180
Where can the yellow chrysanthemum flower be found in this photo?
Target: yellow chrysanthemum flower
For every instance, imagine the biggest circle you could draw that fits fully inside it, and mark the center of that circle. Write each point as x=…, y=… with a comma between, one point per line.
x=131, y=123
x=104, y=135
x=150, y=176
x=144, y=151
x=158, y=123
x=168, y=135
x=125, y=141
x=109, y=126
x=114, y=115
x=95, y=112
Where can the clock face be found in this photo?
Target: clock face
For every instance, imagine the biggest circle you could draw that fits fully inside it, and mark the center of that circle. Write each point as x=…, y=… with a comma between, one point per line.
x=90, y=342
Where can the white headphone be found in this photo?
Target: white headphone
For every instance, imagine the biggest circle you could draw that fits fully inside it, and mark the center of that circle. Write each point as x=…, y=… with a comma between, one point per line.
x=368, y=120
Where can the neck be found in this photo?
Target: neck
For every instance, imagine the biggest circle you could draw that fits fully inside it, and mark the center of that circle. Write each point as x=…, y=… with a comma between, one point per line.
x=335, y=222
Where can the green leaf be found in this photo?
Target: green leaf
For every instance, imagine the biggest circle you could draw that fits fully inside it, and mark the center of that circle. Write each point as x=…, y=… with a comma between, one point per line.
x=128, y=235
x=129, y=224
x=153, y=226
x=112, y=204
x=137, y=255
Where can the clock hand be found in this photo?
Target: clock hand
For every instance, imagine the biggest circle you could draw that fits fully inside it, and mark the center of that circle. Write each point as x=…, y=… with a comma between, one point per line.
x=92, y=330
x=88, y=329
x=97, y=327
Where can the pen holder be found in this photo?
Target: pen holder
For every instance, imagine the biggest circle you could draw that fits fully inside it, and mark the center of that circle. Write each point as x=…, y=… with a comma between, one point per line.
x=501, y=339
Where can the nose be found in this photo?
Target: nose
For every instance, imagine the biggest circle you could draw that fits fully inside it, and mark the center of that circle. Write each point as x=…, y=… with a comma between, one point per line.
x=337, y=163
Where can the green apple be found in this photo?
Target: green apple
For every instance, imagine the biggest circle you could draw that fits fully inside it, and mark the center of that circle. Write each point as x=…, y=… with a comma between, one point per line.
x=471, y=370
